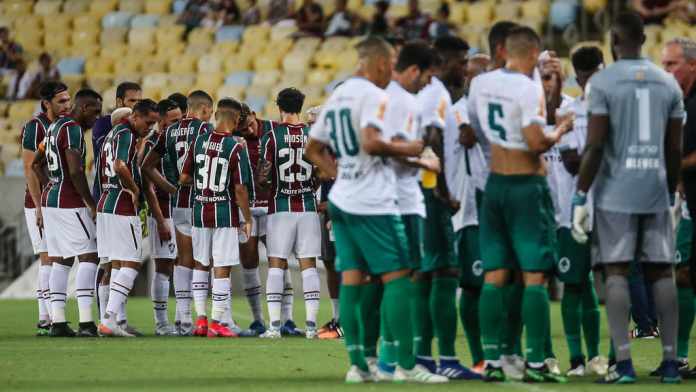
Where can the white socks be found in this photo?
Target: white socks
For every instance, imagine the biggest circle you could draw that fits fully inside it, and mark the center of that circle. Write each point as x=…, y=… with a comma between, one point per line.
x=85, y=281
x=121, y=312
x=221, y=296
x=58, y=282
x=121, y=286
x=182, y=292
x=288, y=297
x=312, y=289
x=274, y=294
x=252, y=287
x=334, y=309
x=103, y=292
x=199, y=287
x=160, y=294
x=43, y=294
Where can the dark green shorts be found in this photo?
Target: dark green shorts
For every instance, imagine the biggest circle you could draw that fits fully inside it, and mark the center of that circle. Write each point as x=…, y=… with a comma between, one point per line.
x=684, y=232
x=370, y=243
x=413, y=227
x=517, y=223
x=438, y=237
x=470, y=266
x=574, y=261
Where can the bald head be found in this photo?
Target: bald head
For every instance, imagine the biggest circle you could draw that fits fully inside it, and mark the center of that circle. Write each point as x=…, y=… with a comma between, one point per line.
x=376, y=58
x=372, y=47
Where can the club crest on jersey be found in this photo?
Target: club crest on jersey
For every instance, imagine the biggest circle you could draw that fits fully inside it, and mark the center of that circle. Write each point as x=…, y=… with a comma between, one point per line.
x=678, y=257
x=381, y=109
x=477, y=268
x=564, y=265
x=172, y=247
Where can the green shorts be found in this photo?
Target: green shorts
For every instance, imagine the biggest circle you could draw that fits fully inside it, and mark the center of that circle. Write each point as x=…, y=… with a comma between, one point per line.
x=517, y=223
x=470, y=266
x=684, y=232
x=574, y=261
x=370, y=243
x=413, y=226
x=438, y=238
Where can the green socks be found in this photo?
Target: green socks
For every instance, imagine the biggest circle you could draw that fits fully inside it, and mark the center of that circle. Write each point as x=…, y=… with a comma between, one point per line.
x=349, y=300
x=371, y=295
x=686, y=320
x=512, y=328
x=491, y=320
x=398, y=318
x=443, y=308
x=535, y=316
x=468, y=313
x=387, y=349
x=422, y=322
x=571, y=314
x=591, y=318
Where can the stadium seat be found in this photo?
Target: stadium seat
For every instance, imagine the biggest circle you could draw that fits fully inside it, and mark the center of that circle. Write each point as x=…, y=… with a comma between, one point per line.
x=201, y=37
x=279, y=31
x=239, y=79
x=21, y=110
x=144, y=21
x=100, y=82
x=181, y=82
x=83, y=38
x=266, y=62
x=458, y=12
x=229, y=33
x=127, y=77
x=507, y=11
x=56, y=40
x=318, y=77
x=109, y=96
x=112, y=36
x=535, y=9
x=265, y=78
x=225, y=48
x=76, y=6
x=169, y=51
x=292, y=79
x=155, y=79
x=30, y=38
x=168, y=20
x=158, y=7
x=113, y=51
x=211, y=62
x=182, y=64
x=60, y=23
x=238, y=62
x=256, y=34
x=18, y=7
x=210, y=81
x=178, y=6
x=335, y=43
x=132, y=6
x=102, y=7
x=86, y=22
x=309, y=44
x=169, y=35
x=295, y=62
x=142, y=37
x=196, y=50
x=230, y=91
x=152, y=92
x=71, y=66
x=126, y=65
x=154, y=64
x=47, y=7
x=256, y=102
x=116, y=19
x=28, y=24
x=73, y=81
x=480, y=13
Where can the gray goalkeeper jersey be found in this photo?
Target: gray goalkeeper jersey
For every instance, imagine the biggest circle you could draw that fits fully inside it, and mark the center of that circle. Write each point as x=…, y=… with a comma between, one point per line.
x=639, y=99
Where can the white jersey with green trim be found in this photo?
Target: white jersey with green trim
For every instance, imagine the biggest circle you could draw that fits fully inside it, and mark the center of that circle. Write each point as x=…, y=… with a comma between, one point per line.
x=365, y=184
x=402, y=119
x=504, y=102
x=474, y=169
x=561, y=183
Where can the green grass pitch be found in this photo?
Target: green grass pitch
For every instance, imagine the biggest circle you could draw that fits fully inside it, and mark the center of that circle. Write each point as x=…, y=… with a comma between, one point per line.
x=28, y=363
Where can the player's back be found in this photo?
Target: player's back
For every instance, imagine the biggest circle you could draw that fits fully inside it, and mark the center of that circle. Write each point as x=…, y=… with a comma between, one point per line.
x=365, y=183
x=32, y=135
x=639, y=99
x=62, y=135
x=119, y=144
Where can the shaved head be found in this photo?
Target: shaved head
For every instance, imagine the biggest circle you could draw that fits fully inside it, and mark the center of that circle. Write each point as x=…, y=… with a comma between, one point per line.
x=521, y=41
x=376, y=60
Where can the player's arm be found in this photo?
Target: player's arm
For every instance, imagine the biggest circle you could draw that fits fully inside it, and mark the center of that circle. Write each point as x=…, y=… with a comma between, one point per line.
x=38, y=163
x=673, y=152
x=373, y=144
x=314, y=151
x=265, y=164
x=153, y=157
x=467, y=136
x=77, y=175
x=597, y=133
x=571, y=160
x=186, y=176
x=533, y=120
x=30, y=149
x=241, y=171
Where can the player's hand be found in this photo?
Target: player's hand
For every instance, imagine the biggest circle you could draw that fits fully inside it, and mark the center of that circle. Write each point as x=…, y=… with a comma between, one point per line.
x=265, y=169
x=93, y=212
x=163, y=231
x=675, y=204
x=118, y=114
x=246, y=229
x=329, y=226
x=135, y=196
x=565, y=123
x=580, y=218
x=185, y=179
x=455, y=205
x=39, y=219
x=431, y=164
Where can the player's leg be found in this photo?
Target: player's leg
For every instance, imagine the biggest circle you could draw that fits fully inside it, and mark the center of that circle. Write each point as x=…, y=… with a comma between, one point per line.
x=685, y=292
x=307, y=247
x=249, y=256
x=423, y=247
x=200, y=281
x=103, y=284
x=373, y=292
x=591, y=320
x=332, y=329
x=288, y=327
x=164, y=254
x=59, y=252
x=471, y=282
x=84, y=245
x=38, y=243
x=225, y=252
x=183, y=278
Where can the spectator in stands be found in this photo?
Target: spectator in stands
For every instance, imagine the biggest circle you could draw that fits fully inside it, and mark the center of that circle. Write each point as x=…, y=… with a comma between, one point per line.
x=15, y=76
x=343, y=21
x=193, y=14
x=655, y=11
x=252, y=15
x=415, y=24
x=380, y=24
x=279, y=10
x=44, y=71
x=441, y=25
x=221, y=13
x=310, y=18
x=10, y=52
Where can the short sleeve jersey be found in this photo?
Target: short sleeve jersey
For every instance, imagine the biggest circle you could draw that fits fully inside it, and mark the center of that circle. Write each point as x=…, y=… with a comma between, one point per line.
x=639, y=98
x=163, y=198
x=503, y=103
x=253, y=143
x=292, y=183
x=174, y=145
x=365, y=184
x=560, y=182
x=119, y=144
x=62, y=135
x=402, y=120
x=217, y=162
x=474, y=169
x=32, y=135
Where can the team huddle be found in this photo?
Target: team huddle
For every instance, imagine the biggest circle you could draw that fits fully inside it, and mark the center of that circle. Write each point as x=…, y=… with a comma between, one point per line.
x=426, y=173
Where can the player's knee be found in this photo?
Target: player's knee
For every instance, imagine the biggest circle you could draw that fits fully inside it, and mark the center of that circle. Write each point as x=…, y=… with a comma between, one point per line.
x=654, y=271
x=88, y=258
x=683, y=277
x=573, y=288
x=164, y=266
x=352, y=278
x=621, y=269
x=446, y=273
x=497, y=278
x=534, y=278
x=420, y=276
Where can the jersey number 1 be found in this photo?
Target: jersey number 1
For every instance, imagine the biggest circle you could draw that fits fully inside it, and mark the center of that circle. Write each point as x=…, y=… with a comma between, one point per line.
x=643, y=97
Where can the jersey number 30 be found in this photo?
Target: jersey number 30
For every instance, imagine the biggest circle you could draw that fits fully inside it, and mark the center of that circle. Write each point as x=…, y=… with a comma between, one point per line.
x=212, y=173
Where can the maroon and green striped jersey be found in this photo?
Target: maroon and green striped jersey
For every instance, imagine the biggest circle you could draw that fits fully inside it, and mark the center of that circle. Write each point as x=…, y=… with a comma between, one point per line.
x=33, y=134
x=253, y=143
x=292, y=184
x=119, y=144
x=163, y=198
x=217, y=162
x=62, y=135
x=173, y=146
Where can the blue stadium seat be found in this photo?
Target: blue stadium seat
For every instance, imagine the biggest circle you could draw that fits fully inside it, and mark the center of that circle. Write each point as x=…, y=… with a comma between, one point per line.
x=71, y=65
x=256, y=104
x=116, y=19
x=229, y=33
x=242, y=78
x=178, y=6
x=144, y=20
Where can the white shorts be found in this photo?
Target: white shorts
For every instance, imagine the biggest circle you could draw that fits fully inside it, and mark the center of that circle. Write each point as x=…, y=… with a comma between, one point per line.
x=38, y=239
x=120, y=237
x=258, y=226
x=221, y=244
x=297, y=233
x=182, y=220
x=161, y=249
x=69, y=232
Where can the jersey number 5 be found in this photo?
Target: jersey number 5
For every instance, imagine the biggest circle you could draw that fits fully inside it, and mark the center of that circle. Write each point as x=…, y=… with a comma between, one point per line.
x=495, y=113
x=294, y=155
